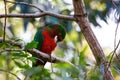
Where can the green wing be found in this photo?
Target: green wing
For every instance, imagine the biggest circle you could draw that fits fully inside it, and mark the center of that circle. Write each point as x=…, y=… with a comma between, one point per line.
x=39, y=38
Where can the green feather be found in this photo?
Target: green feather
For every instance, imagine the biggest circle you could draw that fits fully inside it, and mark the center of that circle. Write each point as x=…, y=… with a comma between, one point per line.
x=62, y=31
x=39, y=38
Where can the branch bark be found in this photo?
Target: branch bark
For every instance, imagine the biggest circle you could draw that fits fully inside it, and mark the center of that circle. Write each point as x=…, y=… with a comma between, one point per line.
x=83, y=22
x=36, y=15
x=45, y=56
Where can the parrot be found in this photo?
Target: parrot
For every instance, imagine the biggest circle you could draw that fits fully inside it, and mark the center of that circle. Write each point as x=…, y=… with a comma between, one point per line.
x=47, y=39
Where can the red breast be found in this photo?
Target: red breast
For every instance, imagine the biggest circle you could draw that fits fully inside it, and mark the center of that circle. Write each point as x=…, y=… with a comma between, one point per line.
x=49, y=43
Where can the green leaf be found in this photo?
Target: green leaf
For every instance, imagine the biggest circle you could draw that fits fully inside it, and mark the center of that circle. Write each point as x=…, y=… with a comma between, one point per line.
x=38, y=73
x=32, y=71
x=32, y=45
x=82, y=56
x=3, y=45
x=33, y=59
x=94, y=74
x=20, y=54
x=21, y=65
x=66, y=70
x=2, y=60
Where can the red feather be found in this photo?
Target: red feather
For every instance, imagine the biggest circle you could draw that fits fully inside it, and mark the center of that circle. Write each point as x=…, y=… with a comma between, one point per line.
x=49, y=43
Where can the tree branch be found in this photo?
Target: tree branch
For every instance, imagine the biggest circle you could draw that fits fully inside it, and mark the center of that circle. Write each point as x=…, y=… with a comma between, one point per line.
x=36, y=15
x=45, y=56
x=36, y=52
x=41, y=13
x=5, y=21
x=83, y=22
x=49, y=58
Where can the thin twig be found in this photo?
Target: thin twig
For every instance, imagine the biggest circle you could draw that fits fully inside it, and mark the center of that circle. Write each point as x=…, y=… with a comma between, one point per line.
x=10, y=73
x=4, y=33
x=115, y=47
x=112, y=56
x=113, y=53
x=116, y=35
x=5, y=20
x=114, y=4
x=37, y=15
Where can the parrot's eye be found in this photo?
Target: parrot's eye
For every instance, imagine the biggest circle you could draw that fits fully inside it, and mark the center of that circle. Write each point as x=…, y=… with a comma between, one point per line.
x=59, y=38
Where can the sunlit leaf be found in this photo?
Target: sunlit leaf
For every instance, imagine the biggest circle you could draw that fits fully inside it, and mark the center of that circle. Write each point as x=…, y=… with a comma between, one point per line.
x=20, y=54
x=31, y=45
x=82, y=56
x=2, y=60
x=2, y=45
x=33, y=59
x=21, y=65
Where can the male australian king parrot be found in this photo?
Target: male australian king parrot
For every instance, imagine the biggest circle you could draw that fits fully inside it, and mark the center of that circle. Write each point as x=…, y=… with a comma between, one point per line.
x=45, y=37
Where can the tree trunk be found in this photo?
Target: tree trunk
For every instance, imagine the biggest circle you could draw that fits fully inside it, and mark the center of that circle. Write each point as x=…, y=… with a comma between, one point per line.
x=83, y=22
